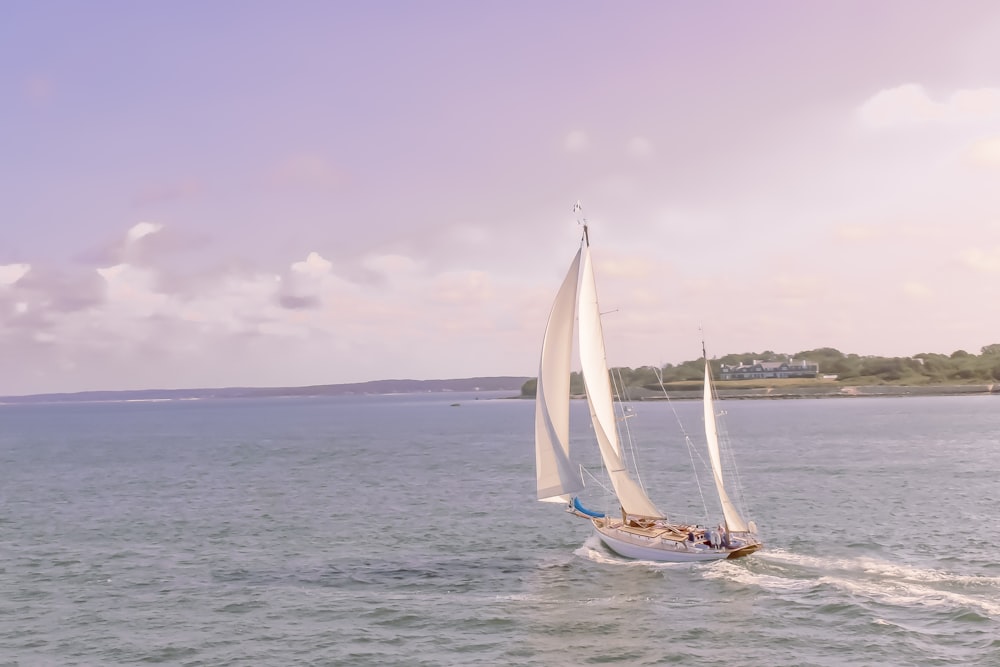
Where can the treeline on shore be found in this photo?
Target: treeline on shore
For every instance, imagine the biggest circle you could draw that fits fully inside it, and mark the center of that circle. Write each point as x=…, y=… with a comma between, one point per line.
x=926, y=368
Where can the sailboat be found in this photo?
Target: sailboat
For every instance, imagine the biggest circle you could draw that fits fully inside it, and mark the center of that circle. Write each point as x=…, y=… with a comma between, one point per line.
x=641, y=531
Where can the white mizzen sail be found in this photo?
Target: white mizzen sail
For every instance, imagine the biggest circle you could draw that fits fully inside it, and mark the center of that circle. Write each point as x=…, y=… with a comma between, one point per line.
x=734, y=522
x=556, y=475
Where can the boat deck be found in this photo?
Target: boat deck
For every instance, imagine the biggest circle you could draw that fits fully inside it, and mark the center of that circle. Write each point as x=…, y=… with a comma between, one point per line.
x=650, y=532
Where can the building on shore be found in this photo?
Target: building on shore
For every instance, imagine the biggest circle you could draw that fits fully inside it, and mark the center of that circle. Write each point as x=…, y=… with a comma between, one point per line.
x=757, y=370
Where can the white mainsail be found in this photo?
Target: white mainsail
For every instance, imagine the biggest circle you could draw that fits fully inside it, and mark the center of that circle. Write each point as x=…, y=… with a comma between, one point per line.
x=734, y=522
x=556, y=475
x=602, y=413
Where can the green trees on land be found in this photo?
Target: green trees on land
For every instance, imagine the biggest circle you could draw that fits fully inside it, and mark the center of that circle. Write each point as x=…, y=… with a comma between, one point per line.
x=926, y=368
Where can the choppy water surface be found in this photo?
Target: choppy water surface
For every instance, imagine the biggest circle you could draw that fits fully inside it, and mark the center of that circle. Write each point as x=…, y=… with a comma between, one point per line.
x=403, y=530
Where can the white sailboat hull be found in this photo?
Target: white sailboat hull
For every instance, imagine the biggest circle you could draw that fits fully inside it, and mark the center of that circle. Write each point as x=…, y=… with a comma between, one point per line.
x=652, y=545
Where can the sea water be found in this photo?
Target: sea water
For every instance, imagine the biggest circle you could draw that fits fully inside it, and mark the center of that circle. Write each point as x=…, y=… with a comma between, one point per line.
x=403, y=530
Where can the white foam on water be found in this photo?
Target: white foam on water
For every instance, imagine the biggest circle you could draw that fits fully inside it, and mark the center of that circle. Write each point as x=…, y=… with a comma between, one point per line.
x=740, y=575
x=904, y=594
x=882, y=568
x=927, y=575
x=522, y=597
x=885, y=582
x=806, y=561
x=780, y=556
x=591, y=550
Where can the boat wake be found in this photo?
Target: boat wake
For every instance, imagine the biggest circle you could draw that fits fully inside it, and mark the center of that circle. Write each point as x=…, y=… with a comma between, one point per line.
x=775, y=583
x=877, y=567
x=865, y=579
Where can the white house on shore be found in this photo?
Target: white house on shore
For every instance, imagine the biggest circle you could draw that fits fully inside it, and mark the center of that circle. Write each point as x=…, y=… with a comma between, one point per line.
x=755, y=370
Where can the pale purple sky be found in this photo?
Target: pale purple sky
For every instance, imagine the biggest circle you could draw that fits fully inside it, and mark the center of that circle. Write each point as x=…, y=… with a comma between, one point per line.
x=222, y=193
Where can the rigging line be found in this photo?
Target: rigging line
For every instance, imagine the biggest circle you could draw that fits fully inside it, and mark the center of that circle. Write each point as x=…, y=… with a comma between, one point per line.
x=596, y=480
x=666, y=395
x=697, y=479
x=680, y=423
x=624, y=401
x=608, y=493
x=705, y=465
x=731, y=460
x=692, y=451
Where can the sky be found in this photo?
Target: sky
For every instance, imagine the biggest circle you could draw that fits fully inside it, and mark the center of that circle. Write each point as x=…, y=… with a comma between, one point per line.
x=241, y=193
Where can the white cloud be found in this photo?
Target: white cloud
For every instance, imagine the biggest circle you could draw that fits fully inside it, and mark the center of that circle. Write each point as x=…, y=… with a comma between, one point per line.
x=241, y=304
x=974, y=104
x=917, y=290
x=110, y=273
x=467, y=289
x=314, y=265
x=985, y=152
x=136, y=311
x=11, y=273
x=980, y=260
x=132, y=288
x=910, y=105
x=796, y=287
x=577, y=141
x=904, y=104
x=141, y=230
x=856, y=232
x=391, y=266
x=631, y=268
x=307, y=283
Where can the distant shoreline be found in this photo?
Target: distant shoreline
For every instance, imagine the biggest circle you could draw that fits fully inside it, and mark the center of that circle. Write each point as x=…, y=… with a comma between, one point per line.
x=810, y=392
x=845, y=391
x=500, y=384
x=372, y=388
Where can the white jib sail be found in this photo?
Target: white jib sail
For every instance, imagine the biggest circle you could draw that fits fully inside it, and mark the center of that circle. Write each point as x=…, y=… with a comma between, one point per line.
x=602, y=413
x=734, y=522
x=557, y=477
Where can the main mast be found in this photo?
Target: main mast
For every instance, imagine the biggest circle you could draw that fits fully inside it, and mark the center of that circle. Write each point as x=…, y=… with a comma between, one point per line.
x=578, y=207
